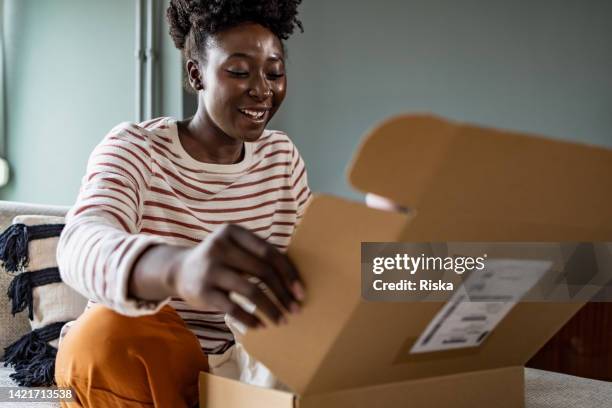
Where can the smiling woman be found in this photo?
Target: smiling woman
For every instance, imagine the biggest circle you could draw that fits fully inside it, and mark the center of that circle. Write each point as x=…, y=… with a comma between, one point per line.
x=243, y=83
x=176, y=217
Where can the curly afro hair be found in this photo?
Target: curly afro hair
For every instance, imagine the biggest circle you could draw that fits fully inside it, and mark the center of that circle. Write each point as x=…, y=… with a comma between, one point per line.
x=192, y=22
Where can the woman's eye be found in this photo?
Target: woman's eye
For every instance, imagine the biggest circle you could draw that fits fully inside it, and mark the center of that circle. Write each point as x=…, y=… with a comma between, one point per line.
x=276, y=75
x=239, y=74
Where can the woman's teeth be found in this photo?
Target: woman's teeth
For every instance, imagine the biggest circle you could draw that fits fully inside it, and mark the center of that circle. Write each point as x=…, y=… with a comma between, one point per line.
x=253, y=114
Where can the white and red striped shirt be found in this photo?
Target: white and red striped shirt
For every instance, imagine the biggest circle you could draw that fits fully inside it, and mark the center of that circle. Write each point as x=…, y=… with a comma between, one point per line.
x=142, y=188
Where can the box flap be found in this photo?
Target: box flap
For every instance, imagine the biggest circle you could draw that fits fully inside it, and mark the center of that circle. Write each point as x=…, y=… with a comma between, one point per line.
x=465, y=183
x=452, y=170
x=326, y=249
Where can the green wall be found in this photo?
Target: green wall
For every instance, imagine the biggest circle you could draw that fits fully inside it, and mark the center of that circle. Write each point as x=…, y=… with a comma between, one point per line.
x=539, y=66
x=69, y=79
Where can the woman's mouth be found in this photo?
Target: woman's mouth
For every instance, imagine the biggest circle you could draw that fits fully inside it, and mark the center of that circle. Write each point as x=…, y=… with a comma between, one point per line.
x=255, y=115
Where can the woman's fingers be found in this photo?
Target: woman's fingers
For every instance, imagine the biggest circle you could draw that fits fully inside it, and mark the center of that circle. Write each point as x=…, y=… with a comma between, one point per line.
x=220, y=299
x=292, y=277
x=244, y=261
x=230, y=280
x=291, y=280
x=224, y=263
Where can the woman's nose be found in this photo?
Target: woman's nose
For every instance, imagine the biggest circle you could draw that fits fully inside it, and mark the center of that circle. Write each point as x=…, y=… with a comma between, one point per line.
x=260, y=88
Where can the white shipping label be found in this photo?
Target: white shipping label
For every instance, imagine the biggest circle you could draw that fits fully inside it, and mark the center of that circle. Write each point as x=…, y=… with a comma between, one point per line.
x=480, y=304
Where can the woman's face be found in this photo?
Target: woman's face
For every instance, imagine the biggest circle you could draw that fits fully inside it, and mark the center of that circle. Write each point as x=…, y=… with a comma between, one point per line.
x=243, y=80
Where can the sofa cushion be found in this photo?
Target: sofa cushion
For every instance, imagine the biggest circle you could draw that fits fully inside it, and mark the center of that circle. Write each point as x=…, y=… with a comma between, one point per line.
x=28, y=251
x=13, y=327
x=47, y=299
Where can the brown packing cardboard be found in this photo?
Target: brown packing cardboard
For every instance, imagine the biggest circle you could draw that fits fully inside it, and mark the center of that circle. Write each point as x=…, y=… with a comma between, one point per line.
x=471, y=389
x=462, y=183
x=486, y=184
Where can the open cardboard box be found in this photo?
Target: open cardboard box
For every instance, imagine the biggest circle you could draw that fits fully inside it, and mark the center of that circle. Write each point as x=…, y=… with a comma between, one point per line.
x=464, y=183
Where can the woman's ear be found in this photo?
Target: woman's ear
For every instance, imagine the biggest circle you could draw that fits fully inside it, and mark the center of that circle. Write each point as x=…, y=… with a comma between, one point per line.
x=194, y=74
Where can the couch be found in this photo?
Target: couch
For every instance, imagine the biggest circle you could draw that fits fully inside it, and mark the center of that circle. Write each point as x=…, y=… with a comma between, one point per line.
x=543, y=389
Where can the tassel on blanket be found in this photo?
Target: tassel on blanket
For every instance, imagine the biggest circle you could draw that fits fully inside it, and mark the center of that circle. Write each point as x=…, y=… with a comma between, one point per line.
x=40, y=372
x=24, y=349
x=33, y=358
x=14, y=243
x=33, y=344
x=22, y=285
x=20, y=293
x=14, y=247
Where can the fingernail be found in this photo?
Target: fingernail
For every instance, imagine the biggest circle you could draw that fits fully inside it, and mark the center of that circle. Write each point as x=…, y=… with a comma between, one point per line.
x=295, y=308
x=298, y=291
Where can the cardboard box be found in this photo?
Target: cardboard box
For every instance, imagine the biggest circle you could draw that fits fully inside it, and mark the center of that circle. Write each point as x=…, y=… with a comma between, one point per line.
x=464, y=183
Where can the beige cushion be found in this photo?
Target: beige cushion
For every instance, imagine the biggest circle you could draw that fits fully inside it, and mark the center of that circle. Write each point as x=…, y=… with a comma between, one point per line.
x=13, y=328
x=54, y=302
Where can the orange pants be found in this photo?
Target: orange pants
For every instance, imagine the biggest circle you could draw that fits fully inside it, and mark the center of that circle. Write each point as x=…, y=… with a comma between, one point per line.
x=111, y=360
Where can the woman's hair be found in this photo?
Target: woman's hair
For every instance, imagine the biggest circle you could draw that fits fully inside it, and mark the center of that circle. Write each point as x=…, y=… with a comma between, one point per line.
x=192, y=22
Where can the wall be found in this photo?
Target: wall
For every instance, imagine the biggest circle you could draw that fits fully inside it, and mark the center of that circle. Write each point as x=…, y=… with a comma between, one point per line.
x=541, y=67
x=538, y=66
x=70, y=79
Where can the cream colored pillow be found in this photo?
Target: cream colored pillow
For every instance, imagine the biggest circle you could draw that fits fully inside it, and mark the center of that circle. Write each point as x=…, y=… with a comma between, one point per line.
x=27, y=250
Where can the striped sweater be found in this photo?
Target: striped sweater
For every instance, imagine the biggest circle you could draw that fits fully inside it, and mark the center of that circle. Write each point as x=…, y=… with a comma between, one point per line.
x=142, y=188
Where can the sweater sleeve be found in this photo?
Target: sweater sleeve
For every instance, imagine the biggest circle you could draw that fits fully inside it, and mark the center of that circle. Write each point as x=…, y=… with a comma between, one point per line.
x=100, y=242
x=299, y=182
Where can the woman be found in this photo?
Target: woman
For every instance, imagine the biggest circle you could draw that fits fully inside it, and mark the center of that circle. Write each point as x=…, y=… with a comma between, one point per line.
x=174, y=218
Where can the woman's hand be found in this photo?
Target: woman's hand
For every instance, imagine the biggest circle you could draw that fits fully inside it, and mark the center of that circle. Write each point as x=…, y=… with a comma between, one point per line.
x=205, y=275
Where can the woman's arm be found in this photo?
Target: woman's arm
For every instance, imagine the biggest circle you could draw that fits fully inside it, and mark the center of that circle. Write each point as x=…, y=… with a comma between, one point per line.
x=152, y=277
x=225, y=262
x=100, y=242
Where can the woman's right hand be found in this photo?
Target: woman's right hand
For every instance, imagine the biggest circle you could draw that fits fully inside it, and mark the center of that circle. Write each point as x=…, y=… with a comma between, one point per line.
x=205, y=275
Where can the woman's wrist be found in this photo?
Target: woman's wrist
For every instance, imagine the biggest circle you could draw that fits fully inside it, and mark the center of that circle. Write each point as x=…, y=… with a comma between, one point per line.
x=153, y=275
